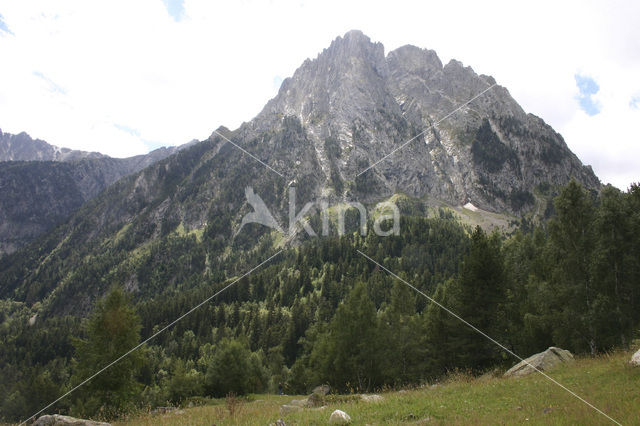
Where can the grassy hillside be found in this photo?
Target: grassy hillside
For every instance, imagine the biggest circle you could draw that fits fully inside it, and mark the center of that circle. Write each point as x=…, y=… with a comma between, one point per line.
x=608, y=382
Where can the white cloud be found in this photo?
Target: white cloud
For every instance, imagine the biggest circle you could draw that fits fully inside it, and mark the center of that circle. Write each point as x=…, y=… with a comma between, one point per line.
x=131, y=65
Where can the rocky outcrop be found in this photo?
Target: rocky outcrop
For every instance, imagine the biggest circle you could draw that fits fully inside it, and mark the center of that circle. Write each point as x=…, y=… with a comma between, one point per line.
x=542, y=361
x=355, y=105
x=635, y=359
x=22, y=147
x=316, y=399
x=41, y=184
x=58, y=420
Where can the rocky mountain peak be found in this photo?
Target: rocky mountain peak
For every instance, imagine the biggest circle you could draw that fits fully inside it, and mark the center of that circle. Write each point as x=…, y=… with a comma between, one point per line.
x=366, y=104
x=422, y=62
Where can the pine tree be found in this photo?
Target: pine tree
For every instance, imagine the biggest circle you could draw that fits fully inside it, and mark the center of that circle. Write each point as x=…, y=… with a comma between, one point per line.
x=476, y=296
x=112, y=330
x=349, y=355
x=571, y=244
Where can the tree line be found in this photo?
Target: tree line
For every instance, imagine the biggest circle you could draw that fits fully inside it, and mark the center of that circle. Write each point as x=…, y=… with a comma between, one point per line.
x=323, y=313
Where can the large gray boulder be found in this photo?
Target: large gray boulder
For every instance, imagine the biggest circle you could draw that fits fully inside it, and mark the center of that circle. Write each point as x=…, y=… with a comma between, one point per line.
x=316, y=399
x=542, y=361
x=58, y=420
x=635, y=359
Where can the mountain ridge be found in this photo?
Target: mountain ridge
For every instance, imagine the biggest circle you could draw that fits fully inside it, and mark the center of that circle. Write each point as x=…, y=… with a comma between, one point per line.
x=337, y=115
x=42, y=184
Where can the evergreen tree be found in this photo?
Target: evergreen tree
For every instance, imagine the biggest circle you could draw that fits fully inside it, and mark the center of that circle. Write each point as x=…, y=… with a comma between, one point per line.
x=478, y=297
x=232, y=369
x=112, y=330
x=571, y=244
x=349, y=356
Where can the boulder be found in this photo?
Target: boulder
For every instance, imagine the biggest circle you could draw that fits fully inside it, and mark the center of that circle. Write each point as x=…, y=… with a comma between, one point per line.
x=299, y=402
x=371, y=398
x=58, y=420
x=321, y=390
x=635, y=359
x=287, y=409
x=541, y=361
x=339, y=417
x=316, y=399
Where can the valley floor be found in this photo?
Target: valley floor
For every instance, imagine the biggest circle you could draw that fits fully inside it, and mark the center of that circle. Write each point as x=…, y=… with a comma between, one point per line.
x=608, y=382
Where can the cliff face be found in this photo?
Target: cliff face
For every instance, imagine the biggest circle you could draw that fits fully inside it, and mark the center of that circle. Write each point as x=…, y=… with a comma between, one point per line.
x=488, y=152
x=41, y=184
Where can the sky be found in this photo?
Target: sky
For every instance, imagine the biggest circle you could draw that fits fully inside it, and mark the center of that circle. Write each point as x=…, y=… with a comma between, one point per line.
x=125, y=77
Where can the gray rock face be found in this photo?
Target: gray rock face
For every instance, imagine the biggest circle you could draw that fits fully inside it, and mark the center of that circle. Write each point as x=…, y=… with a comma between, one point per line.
x=542, y=361
x=58, y=420
x=356, y=105
x=321, y=390
x=48, y=183
x=22, y=147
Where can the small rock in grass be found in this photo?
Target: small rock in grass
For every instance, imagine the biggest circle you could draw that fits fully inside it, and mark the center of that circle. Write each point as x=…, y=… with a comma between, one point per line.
x=286, y=409
x=371, y=398
x=339, y=417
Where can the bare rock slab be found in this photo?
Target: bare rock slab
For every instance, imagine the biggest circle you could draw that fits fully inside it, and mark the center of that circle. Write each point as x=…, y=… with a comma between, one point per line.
x=543, y=361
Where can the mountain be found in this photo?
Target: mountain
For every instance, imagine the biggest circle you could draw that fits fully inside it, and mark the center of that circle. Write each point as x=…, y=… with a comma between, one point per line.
x=41, y=184
x=356, y=105
x=177, y=222
x=22, y=147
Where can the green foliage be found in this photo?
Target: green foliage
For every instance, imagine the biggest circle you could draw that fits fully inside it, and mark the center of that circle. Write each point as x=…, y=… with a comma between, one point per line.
x=489, y=152
x=112, y=330
x=233, y=368
x=348, y=355
x=320, y=312
x=478, y=297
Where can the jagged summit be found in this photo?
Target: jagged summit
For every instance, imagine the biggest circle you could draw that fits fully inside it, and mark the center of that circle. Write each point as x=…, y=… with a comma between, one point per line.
x=490, y=151
x=337, y=115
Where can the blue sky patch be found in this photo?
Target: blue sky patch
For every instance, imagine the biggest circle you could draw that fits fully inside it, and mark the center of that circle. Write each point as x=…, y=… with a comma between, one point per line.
x=52, y=86
x=635, y=102
x=3, y=26
x=175, y=8
x=587, y=87
x=277, y=82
